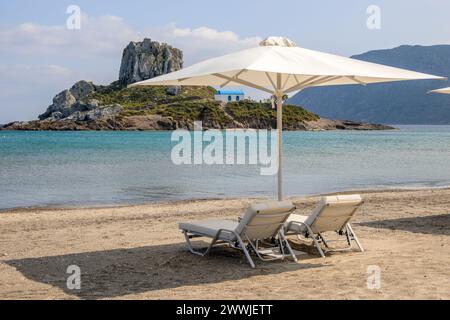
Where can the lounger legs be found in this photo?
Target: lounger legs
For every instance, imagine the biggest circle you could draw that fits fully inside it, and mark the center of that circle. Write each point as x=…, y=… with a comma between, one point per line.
x=314, y=238
x=191, y=248
x=213, y=242
x=317, y=245
x=288, y=246
x=322, y=239
x=318, y=238
x=247, y=254
x=282, y=239
x=353, y=235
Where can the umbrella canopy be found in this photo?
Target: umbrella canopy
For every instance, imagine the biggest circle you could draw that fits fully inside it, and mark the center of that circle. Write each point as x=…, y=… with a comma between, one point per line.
x=443, y=90
x=279, y=67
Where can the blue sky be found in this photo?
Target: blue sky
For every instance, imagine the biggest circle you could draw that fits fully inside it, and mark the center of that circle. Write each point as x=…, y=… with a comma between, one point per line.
x=40, y=57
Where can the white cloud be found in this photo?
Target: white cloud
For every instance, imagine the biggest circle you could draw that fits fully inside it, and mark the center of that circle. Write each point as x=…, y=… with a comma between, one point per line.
x=98, y=35
x=27, y=72
x=108, y=35
x=201, y=43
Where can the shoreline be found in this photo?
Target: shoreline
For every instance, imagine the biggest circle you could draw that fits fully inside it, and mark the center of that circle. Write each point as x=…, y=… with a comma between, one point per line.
x=370, y=190
x=393, y=127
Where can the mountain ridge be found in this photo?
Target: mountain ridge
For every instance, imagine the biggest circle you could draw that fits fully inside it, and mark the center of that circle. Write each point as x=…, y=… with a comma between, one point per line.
x=405, y=102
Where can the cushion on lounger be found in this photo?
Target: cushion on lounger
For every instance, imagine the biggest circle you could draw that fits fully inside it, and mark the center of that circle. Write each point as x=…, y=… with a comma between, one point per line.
x=348, y=198
x=260, y=220
x=263, y=220
x=294, y=227
x=210, y=227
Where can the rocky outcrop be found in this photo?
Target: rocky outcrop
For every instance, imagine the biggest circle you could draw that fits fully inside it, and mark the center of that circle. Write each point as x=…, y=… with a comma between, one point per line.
x=103, y=112
x=75, y=104
x=329, y=124
x=173, y=91
x=70, y=101
x=140, y=61
x=148, y=59
x=63, y=125
x=149, y=122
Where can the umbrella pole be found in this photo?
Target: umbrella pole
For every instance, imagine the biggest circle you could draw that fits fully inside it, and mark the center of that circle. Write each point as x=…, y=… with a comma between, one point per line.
x=280, y=143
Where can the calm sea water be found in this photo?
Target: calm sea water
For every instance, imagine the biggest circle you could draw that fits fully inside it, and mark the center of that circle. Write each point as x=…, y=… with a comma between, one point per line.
x=98, y=168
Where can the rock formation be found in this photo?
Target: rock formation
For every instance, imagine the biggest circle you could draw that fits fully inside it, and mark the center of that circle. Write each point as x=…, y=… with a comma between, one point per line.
x=70, y=101
x=75, y=104
x=140, y=61
x=148, y=59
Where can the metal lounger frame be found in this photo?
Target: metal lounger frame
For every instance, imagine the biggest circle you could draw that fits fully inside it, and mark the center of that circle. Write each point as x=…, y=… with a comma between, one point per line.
x=318, y=238
x=253, y=244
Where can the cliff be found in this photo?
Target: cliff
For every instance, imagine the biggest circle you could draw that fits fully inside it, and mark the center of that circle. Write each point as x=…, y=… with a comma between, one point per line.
x=148, y=59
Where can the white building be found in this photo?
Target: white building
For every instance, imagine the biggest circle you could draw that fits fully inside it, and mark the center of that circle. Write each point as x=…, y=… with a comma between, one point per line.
x=229, y=95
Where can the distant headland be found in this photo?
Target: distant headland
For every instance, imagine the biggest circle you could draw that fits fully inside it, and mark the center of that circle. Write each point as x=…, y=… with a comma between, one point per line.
x=87, y=106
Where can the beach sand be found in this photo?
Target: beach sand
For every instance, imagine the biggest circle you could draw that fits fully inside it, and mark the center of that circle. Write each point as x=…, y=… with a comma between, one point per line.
x=137, y=252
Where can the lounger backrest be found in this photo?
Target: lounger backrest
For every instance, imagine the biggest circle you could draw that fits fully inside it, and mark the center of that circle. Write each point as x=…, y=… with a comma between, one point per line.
x=333, y=213
x=264, y=220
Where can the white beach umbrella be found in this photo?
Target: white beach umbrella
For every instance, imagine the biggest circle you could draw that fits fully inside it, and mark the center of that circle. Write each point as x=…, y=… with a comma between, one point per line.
x=443, y=90
x=279, y=67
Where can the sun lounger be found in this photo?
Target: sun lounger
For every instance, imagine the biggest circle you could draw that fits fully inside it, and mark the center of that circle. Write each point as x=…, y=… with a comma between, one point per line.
x=333, y=213
x=261, y=227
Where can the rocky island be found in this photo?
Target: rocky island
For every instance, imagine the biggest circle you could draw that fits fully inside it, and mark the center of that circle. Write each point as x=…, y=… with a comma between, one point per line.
x=86, y=106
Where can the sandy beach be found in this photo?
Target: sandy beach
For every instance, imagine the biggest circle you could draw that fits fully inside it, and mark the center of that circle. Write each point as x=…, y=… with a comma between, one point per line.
x=137, y=252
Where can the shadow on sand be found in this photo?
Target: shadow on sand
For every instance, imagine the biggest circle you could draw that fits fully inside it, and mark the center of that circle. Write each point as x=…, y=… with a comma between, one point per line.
x=438, y=224
x=118, y=272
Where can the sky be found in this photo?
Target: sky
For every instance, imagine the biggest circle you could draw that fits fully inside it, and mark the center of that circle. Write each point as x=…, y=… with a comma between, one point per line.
x=40, y=56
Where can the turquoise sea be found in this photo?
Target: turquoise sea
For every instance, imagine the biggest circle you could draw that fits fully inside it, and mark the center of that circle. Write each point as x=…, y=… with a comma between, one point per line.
x=108, y=168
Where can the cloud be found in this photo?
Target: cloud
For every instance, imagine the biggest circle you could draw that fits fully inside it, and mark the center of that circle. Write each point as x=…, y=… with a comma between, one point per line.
x=24, y=71
x=97, y=35
x=203, y=42
x=108, y=35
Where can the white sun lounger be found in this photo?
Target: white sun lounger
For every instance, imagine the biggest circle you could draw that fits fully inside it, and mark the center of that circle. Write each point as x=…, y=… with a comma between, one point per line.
x=333, y=213
x=261, y=223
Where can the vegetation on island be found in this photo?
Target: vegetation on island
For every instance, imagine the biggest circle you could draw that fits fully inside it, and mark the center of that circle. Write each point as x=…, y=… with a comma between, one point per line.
x=191, y=104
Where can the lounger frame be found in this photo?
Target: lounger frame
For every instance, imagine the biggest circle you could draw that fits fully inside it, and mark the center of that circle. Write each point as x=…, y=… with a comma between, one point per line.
x=318, y=238
x=238, y=241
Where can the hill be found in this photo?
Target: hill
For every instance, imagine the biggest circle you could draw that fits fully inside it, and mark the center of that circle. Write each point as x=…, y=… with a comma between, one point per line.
x=116, y=107
x=397, y=102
